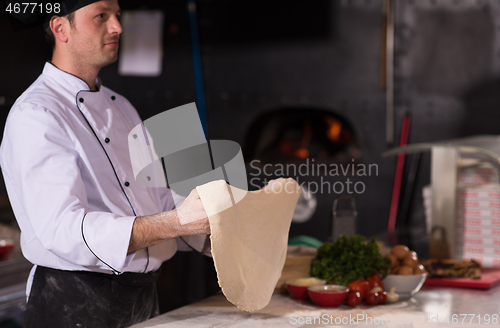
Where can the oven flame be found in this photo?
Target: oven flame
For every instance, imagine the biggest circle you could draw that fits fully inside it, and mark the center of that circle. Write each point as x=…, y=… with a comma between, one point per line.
x=334, y=128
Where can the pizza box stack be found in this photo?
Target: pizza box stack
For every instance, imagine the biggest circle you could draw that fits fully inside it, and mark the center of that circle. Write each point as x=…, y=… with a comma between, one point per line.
x=477, y=213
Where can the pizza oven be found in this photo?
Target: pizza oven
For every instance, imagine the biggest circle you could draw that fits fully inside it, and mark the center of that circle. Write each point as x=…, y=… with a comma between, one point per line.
x=291, y=135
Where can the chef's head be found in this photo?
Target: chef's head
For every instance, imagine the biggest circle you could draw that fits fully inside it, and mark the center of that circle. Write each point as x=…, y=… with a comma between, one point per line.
x=86, y=33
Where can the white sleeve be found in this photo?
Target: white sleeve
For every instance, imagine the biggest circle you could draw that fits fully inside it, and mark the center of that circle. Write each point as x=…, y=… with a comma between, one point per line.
x=41, y=163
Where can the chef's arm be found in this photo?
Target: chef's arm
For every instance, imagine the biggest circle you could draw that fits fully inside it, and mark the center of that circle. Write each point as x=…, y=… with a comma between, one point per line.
x=153, y=229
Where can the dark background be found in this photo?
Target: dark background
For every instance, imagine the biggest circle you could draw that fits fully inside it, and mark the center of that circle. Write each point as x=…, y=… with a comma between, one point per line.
x=264, y=56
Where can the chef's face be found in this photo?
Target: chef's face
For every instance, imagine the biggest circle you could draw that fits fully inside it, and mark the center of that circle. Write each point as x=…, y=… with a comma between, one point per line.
x=94, y=38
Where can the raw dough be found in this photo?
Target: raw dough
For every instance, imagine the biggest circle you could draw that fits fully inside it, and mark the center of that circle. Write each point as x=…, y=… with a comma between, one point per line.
x=249, y=239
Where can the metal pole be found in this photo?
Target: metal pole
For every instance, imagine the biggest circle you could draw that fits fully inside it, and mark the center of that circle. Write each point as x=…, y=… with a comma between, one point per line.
x=389, y=12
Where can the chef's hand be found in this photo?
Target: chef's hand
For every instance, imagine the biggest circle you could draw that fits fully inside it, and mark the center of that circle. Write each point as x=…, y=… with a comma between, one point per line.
x=192, y=217
x=189, y=219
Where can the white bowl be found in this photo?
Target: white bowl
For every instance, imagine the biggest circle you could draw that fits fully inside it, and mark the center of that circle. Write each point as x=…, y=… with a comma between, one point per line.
x=406, y=286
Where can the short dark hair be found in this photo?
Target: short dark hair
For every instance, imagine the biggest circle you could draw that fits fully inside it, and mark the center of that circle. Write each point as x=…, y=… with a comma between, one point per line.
x=49, y=36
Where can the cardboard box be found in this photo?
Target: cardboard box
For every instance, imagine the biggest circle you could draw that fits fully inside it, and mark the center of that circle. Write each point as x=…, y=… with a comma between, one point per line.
x=477, y=223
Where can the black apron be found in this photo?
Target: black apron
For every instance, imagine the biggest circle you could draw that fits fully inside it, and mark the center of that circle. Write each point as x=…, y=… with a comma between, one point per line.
x=60, y=299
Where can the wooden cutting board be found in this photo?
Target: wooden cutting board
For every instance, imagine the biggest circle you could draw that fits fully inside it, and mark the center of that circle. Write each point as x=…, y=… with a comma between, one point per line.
x=489, y=278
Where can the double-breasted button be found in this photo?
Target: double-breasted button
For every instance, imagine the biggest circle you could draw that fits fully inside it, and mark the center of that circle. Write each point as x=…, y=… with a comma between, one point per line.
x=106, y=140
x=127, y=184
x=113, y=97
x=81, y=99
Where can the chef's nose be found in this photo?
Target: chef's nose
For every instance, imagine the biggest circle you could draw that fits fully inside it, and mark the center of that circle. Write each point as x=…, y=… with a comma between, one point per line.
x=114, y=25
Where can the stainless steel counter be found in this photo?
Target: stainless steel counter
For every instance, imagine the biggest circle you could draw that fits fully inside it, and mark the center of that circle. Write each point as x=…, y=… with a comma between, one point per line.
x=431, y=307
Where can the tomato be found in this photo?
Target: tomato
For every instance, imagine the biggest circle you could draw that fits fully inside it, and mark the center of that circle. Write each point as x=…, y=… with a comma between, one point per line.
x=372, y=298
x=382, y=297
x=362, y=286
x=374, y=281
x=354, y=299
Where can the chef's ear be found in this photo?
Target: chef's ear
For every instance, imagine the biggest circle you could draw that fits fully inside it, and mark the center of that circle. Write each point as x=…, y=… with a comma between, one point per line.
x=60, y=28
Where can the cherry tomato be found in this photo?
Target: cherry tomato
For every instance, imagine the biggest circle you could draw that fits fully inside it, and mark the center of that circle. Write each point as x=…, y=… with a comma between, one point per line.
x=362, y=286
x=382, y=297
x=374, y=281
x=372, y=298
x=354, y=299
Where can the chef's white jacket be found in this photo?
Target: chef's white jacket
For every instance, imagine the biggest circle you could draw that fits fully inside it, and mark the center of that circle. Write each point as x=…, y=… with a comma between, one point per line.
x=67, y=170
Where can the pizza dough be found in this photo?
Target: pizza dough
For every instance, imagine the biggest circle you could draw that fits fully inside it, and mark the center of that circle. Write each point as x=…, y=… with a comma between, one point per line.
x=249, y=239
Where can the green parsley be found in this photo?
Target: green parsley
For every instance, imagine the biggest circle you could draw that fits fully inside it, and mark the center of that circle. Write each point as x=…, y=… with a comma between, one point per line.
x=348, y=259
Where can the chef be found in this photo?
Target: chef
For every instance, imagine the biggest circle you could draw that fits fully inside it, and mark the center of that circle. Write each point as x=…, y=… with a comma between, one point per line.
x=96, y=237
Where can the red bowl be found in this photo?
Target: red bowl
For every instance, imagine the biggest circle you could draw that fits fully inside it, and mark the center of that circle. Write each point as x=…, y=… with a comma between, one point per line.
x=299, y=292
x=6, y=247
x=328, y=296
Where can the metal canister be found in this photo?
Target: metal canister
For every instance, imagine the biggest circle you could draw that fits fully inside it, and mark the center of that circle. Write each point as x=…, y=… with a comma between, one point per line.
x=343, y=217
